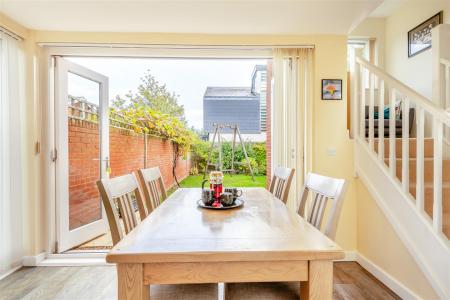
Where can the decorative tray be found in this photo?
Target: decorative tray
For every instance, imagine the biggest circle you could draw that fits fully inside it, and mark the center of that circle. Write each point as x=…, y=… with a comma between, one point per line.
x=237, y=203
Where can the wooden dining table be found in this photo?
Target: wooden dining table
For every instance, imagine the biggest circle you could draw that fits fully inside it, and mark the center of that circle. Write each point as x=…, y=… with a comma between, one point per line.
x=262, y=241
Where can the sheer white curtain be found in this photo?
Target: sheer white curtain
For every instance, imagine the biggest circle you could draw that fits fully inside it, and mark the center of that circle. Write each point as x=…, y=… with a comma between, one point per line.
x=11, y=153
x=291, y=113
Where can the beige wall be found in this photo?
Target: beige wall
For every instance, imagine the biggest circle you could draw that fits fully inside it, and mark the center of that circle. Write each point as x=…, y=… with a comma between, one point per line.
x=373, y=28
x=416, y=71
x=378, y=242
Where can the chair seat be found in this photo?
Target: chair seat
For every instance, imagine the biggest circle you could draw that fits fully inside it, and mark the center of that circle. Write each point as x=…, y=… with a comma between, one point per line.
x=183, y=291
x=263, y=291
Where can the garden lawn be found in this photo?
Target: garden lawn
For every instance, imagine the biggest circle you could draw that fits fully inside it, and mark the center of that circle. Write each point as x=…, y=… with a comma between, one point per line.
x=228, y=181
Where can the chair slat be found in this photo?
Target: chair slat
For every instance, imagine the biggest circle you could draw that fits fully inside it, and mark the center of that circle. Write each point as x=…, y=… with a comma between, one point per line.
x=120, y=190
x=281, y=183
x=321, y=211
x=154, y=189
x=324, y=189
x=313, y=208
x=123, y=208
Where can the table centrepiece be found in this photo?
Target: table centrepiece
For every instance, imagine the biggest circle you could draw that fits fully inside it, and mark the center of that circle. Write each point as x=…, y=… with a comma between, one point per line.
x=218, y=197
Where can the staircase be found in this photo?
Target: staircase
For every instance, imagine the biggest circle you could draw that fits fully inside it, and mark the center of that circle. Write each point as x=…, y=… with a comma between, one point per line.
x=428, y=176
x=407, y=172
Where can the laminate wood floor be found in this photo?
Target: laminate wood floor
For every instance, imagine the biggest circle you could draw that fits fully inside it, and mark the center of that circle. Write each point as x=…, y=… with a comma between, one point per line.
x=351, y=281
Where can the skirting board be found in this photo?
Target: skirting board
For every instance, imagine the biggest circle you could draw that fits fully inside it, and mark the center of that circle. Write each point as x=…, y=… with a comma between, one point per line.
x=74, y=262
x=392, y=283
x=33, y=261
x=9, y=272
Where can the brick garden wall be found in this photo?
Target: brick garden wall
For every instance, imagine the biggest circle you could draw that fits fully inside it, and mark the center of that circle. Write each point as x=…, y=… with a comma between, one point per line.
x=127, y=154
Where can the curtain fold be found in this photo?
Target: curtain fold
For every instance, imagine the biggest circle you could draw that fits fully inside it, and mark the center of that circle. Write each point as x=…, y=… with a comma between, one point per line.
x=11, y=154
x=291, y=113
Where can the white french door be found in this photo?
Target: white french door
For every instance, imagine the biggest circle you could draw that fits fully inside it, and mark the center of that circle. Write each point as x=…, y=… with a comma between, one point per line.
x=82, y=152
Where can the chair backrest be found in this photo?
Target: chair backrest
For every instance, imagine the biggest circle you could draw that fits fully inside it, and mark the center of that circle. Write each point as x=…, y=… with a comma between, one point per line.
x=323, y=189
x=121, y=189
x=153, y=186
x=281, y=182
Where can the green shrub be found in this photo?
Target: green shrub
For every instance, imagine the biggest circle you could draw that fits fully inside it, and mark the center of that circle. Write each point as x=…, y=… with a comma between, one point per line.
x=193, y=171
x=199, y=154
x=255, y=151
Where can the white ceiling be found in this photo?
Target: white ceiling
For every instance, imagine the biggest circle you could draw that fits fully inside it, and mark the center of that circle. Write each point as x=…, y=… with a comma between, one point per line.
x=214, y=16
x=387, y=8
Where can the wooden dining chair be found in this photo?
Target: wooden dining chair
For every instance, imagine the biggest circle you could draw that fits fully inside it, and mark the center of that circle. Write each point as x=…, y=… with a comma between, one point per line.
x=153, y=187
x=121, y=190
x=281, y=182
x=322, y=189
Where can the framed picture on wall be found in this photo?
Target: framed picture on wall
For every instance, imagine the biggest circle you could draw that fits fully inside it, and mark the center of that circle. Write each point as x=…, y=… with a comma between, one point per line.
x=419, y=38
x=331, y=89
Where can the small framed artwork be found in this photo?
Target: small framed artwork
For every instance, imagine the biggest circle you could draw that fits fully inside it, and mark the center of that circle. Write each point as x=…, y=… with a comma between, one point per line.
x=331, y=89
x=419, y=38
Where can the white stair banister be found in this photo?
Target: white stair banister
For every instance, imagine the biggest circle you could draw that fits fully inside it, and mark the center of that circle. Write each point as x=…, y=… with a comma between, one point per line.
x=427, y=239
x=404, y=90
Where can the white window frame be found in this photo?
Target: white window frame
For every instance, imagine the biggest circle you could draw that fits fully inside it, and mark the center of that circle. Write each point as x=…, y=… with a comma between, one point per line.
x=47, y=96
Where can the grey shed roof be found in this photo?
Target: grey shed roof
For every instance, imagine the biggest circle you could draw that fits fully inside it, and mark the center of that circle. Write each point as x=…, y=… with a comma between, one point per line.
x=231, y=105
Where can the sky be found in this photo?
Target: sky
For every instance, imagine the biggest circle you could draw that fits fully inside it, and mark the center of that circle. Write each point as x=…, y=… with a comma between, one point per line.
x=187, y=78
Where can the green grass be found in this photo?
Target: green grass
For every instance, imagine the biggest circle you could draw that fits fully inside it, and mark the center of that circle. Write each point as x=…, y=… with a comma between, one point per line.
x=231, y=181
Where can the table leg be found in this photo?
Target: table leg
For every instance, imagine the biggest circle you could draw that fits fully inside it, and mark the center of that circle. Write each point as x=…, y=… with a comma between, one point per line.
x=320, y=281
x=131, y=282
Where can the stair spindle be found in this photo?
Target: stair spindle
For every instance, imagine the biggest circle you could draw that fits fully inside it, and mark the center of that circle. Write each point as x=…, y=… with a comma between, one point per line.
x=362, y=119
x=356, y=93
x=437, y=172
x=420, y=159
x=405, y=145
x=392, y=134
x=381, y=120
x=371, y=109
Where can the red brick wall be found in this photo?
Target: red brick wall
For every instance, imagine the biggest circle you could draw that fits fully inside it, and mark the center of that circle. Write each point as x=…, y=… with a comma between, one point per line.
x=127, y=153
x=268, y=122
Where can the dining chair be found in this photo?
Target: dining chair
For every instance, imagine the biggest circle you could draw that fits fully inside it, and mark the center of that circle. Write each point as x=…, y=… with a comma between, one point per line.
x=317, y=191
x=323, y=189
x=123, y=189
x=153, y=186
x=281, y=182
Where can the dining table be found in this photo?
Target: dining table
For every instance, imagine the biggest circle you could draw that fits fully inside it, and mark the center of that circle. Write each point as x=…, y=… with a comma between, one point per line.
x=261, y=241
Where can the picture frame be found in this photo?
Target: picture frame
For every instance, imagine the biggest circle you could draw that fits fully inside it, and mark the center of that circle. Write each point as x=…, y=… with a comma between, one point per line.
x=419, y=38
x=331, y=89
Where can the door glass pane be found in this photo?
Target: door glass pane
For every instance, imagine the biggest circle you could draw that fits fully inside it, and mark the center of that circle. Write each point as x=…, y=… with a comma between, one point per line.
x=84, y=150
